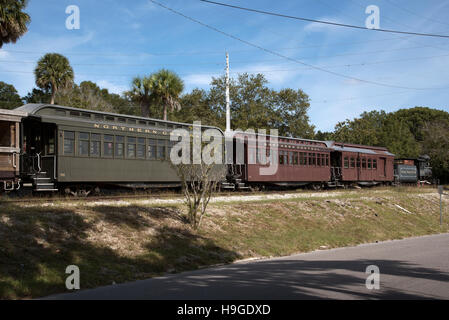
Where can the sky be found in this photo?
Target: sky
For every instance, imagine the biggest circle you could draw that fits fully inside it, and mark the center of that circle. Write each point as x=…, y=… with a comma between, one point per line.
x=118, y=40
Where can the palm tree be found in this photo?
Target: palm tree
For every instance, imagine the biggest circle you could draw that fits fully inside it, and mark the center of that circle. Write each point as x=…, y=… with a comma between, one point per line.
x=53, y=71
x=13, y=22
x=140, y=92
x=166, y=86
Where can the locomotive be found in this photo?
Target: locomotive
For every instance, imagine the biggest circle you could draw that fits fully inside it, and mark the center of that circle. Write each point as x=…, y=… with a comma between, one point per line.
x=50, y=148
x=413, y=170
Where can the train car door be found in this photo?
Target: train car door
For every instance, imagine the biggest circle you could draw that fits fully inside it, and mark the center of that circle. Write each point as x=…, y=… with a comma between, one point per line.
x=39, y=144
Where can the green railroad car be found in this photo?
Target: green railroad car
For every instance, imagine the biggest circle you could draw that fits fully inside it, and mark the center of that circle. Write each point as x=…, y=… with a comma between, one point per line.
x=78, y=150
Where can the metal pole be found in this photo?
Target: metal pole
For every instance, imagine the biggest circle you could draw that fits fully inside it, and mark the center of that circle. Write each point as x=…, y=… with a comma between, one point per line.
x=228, y=109
x=440, y=191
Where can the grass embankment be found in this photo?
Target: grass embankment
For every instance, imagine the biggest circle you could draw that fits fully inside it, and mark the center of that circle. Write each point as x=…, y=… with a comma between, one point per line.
x=117, y=242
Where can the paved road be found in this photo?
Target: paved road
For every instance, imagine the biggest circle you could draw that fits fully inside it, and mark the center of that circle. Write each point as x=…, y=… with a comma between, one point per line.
x=409, y=269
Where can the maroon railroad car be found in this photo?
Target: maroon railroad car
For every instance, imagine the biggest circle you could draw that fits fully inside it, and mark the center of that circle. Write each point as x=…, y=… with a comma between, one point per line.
x=364, y=165
x=302, y=162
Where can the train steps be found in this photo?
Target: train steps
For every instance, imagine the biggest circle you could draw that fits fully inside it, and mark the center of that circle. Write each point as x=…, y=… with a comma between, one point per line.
x=42, y=183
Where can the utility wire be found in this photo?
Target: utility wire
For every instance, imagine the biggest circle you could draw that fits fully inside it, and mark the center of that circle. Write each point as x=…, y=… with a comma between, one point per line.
x=187, y=53
x=361, y=64
x=221, y=63
x=281, y=55
x=321, y=21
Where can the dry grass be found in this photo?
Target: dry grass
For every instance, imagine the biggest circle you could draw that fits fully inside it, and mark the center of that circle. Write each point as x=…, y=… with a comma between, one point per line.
x=124, y=241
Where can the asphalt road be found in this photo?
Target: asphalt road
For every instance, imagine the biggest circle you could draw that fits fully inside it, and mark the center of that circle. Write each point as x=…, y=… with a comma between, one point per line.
x=416, y=268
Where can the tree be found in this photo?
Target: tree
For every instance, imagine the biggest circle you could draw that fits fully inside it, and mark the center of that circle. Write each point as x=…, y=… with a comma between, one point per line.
x=9, y=98
x=436, y=145
x=166, y=87
x=140, y=93
x=53, y=72
x=37, y=96
x=292, y=107
x=377, y=128
x=199, y=178
x=196, y=107
x=13, y=21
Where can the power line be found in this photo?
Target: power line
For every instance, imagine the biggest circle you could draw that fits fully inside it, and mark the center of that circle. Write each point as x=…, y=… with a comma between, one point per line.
x=221, y=63
x=323, y=22
x=253, y=70
x=187, y=53
x=282, y=56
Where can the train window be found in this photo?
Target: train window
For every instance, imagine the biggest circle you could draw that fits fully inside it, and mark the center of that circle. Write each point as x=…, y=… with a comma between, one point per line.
x=295, y=158
x=119, y=146
x=99, y=117
x=142, y=122
x=75, y=113
x=346, y=163
x=152, y=148
x=69, y=142
x=327, y=160
x=369, y=163
x=132, y=121
x=6, y=134
x=109, y=118
x=95, y=140
x=140, y=147
x=122, y=120
x=352, y=163
x=302, y=159
x=86, y=115
x=318, y=159
x=161, y=148
x=312, y=159
x=281, y=157
x=83, y=144
x=375, y=164
x=108, y=145
x=358, y=162
x=363, y=163
x=290, y=157
x=131, y=147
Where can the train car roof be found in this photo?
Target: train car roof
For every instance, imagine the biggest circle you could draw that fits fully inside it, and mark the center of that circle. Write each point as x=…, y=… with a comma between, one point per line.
x=356, y=148
x=338, y=146
x=34, y=108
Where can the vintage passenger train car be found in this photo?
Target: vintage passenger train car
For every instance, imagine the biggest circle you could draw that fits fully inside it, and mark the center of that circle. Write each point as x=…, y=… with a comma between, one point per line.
x=75, y=150
x=313, y=163
x=50, y=148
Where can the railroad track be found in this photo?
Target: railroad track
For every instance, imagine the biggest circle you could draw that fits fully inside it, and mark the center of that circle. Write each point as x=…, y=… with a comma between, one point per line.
x=136, y=196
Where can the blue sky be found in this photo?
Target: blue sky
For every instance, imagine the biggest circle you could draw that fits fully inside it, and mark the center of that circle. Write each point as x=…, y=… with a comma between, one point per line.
x=121, y=39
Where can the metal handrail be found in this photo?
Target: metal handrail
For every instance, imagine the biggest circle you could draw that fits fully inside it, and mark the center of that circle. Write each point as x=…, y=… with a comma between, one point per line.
x=38, y=155
x=14, y=161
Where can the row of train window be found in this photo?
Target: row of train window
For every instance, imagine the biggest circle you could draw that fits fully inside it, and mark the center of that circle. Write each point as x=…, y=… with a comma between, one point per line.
x=303, y=158
x=364, y=163
x=297, y=158
x=89, y=145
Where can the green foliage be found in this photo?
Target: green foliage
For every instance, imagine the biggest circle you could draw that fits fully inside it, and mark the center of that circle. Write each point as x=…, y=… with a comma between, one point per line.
x=37, y=96
x=436, y=145
x=13, y=21
x=89, y=96
x=254, y=105
x=406, y=133
x=53, y=72
x=166, y=87
x=9, y=98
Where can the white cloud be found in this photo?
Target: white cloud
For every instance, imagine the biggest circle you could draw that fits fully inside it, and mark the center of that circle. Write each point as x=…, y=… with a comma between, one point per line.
x=112, y=87
x=200, y=80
